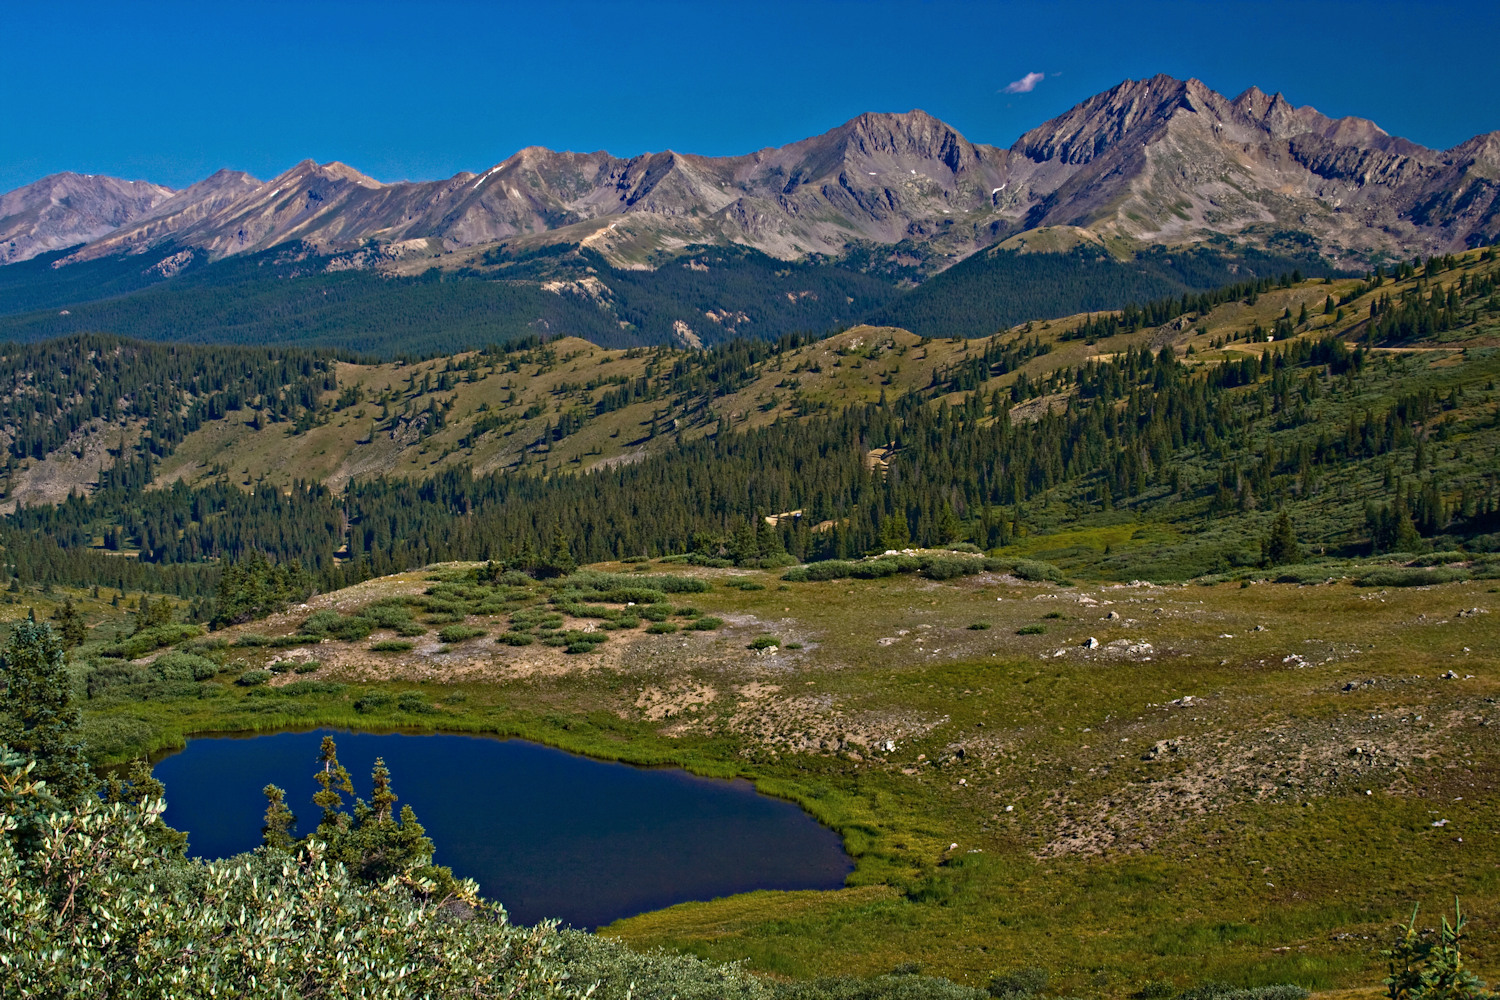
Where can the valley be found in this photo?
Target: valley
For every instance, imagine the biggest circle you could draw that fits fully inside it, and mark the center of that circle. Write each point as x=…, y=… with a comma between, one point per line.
x=884, y=565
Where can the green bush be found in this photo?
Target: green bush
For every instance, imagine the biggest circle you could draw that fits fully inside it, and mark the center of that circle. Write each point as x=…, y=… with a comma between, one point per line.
x=253, y=678
x=307, y=667
x=661, y=628
x=287, y=641
x=179, y=666
x=655, y=612
x=707, y=623
x=1402, y=576
x=459, y=633
x=980, y=626
x=387, y=614
x=1035, y=571
x=391, y=646
x=372, y=701
x=151, y=639
x=764, y=642
x=310, y=687
x=1019, y=983
x=412, y=701
x=411, y=630
x=1032, y=630
x=251, y=639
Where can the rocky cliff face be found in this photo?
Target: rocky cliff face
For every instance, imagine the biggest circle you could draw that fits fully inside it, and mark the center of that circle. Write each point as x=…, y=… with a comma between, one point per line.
x=66, y=209
x=1152, y=161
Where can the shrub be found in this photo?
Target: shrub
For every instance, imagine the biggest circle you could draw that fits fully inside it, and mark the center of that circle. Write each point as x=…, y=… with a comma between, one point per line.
x=764, y=642
x=251, y=639
x=1032, y=630
x=285, y=641
x=1019, y=983
x=391, y=646
x=666, y=583
x=252, y=678
x=1053, y=614
x=980, y=626
x=459, y=633
x=151, y=639
x=410, y=630
x=371, y=701
x=1035, y=571
x=387, y=615
x=307, y=667
x=412, y=701
x=655, y=612
x=706, y=624
x=310, y=687
x=661, y=628
x=1402, y=576
x=178, y=666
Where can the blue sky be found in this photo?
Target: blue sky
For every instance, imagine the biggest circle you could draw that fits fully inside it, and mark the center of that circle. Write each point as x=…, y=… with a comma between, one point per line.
x=170, y=92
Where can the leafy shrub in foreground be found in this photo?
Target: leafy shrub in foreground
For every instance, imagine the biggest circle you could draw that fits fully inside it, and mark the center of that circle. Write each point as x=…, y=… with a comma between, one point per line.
x=272, y=923
x=253, y=678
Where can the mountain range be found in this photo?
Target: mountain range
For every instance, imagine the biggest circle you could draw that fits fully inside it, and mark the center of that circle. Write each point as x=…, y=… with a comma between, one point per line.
x=1152, y=162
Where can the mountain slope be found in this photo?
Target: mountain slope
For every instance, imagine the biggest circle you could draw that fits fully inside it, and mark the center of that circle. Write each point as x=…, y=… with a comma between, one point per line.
x=66, y=209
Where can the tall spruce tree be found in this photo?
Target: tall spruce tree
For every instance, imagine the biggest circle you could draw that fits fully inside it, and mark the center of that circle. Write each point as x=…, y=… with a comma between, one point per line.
x=279, y=821
x=40, y=720
x=332, y=778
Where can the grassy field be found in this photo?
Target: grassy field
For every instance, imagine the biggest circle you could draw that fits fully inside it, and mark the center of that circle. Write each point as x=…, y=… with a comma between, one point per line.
x=1242, y=781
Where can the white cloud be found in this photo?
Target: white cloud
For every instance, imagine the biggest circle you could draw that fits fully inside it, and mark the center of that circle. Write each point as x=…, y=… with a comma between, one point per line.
x=1025, y=85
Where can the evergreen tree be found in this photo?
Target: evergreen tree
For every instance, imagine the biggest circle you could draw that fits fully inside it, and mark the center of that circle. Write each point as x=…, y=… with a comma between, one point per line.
x=332, y=778
x=1281, y=547
x=70, y=624
x=382, y=798
x=280, y=821
x=40, y=719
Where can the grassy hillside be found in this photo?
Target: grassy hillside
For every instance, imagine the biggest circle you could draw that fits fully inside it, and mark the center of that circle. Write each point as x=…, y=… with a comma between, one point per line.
x=1083, y=441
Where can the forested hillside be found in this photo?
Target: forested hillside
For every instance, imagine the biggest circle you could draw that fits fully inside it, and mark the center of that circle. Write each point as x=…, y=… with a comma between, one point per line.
x=296, y=296
x=1365, y=410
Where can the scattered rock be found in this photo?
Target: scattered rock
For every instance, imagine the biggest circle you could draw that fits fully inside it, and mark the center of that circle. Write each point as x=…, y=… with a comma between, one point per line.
x=1091, y=643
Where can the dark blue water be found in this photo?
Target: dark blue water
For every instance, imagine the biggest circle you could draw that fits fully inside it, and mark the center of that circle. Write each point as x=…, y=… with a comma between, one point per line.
x=544, y=832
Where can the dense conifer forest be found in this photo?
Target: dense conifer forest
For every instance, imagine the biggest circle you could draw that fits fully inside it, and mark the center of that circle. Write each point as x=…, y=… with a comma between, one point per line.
x=297, y=297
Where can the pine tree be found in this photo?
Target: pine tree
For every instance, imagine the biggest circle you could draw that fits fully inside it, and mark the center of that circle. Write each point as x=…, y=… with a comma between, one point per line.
x=40, y=719
x=70, y=624
x=1281, y=547
x=382, y=798
x=332, y=779
x=280, y=822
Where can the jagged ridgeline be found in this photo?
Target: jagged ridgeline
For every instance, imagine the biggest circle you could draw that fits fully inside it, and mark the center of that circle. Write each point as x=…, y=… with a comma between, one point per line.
x=1163, y=450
